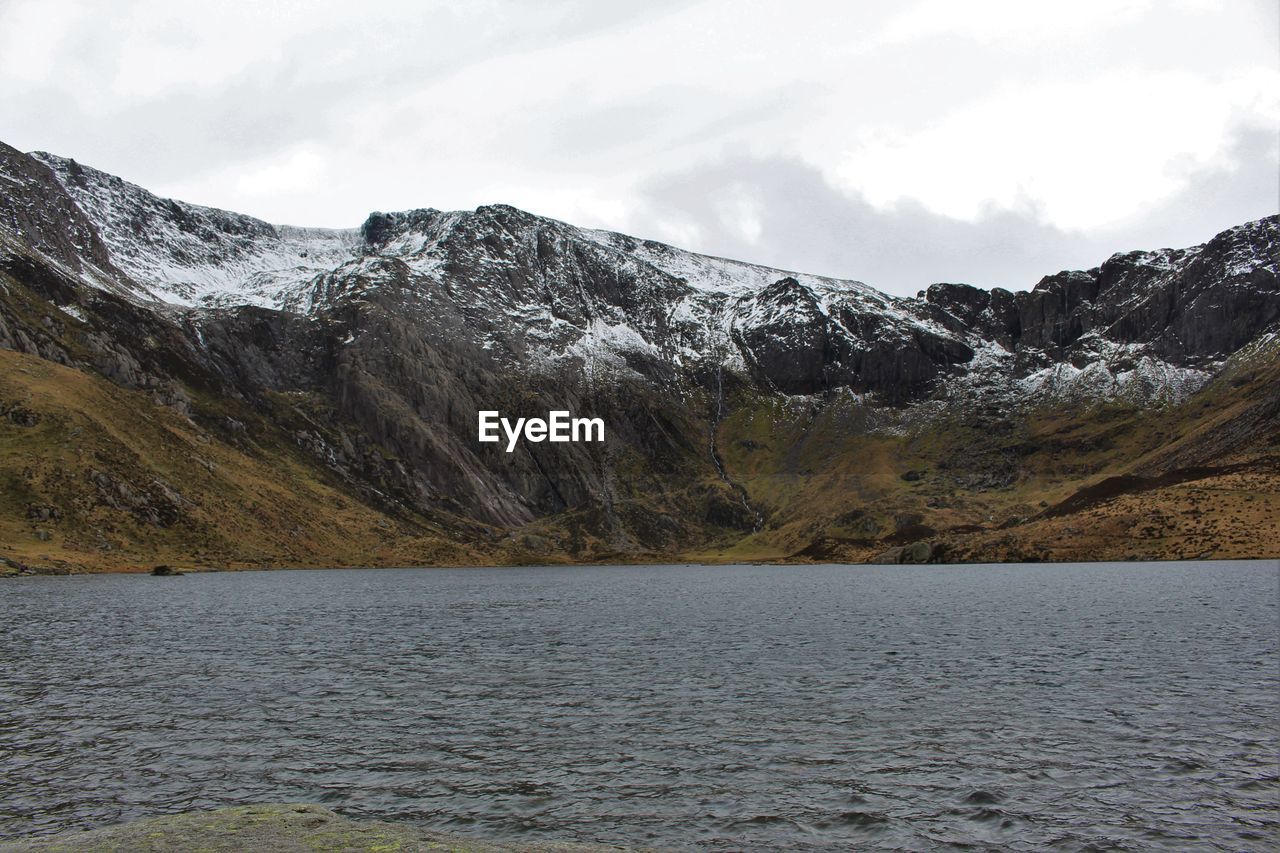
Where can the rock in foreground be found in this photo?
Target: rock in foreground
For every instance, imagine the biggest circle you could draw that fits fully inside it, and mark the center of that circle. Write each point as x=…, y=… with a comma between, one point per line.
x=289, y=828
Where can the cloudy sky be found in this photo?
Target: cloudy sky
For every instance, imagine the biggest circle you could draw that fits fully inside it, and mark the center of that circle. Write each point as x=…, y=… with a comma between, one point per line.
x=901, y=143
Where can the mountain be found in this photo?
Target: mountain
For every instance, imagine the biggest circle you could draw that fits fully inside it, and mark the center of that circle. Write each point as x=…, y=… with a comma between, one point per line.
x=198, y=387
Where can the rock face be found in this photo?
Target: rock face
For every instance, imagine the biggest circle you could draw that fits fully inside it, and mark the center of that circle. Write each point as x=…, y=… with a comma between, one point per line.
x=1186, y=306
x=379, y=344
x=35, y=211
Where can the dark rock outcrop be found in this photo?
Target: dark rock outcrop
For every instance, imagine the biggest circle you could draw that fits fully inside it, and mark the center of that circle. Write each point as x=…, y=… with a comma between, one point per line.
x=915, y=553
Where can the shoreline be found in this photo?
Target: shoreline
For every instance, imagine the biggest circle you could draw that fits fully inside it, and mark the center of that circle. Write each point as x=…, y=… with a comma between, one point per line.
x=13, y=570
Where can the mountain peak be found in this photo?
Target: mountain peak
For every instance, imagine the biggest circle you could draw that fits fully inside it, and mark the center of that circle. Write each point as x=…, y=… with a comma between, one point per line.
x=523, y=287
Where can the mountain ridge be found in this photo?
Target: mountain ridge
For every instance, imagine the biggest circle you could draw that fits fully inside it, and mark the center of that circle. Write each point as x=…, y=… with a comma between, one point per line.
x=368, y=352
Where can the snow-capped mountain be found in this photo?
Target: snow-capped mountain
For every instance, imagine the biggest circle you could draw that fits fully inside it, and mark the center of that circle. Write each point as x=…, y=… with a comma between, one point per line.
x=539, y=294
x=377, y=345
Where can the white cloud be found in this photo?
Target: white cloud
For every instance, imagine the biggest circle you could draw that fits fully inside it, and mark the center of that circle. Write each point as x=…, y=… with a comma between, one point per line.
x=32, y=34
x=1079, y=114
x=300, y=170
x=742, y=211
x=163, y=47
x=1086, y=152
x=1009, y=22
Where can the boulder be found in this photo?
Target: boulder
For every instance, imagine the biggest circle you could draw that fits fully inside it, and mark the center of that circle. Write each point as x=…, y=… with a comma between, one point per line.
x=915, y=553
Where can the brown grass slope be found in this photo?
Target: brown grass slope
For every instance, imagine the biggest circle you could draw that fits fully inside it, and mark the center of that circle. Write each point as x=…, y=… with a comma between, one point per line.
x=97, y=477
x=1110, y=482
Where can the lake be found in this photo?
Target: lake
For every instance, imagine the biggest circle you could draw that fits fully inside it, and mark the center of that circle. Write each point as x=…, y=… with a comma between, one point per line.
x=761, y=707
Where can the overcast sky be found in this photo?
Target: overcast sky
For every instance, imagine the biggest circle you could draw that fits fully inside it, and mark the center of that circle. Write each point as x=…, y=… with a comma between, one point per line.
x=900, y=143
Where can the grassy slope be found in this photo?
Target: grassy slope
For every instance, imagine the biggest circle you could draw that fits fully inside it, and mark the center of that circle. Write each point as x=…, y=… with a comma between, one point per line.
x=986, y=486
x=129, y=483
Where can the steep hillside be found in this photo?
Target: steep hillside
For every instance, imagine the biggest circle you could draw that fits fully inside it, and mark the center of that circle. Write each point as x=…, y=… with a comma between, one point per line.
x=332, y=380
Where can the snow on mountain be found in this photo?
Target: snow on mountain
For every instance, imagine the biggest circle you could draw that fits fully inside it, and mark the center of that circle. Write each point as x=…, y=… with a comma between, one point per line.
x=188, y=255
x=712, y=274
x=542, y=295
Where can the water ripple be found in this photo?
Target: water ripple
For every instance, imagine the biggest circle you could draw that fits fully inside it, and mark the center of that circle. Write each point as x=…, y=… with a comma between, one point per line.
x=1004, y=707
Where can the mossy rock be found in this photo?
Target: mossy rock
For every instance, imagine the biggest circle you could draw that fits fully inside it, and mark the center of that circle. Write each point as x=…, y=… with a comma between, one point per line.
x=288, y=828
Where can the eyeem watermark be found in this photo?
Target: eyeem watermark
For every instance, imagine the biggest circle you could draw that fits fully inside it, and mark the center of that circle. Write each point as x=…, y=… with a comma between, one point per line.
x=559, y=426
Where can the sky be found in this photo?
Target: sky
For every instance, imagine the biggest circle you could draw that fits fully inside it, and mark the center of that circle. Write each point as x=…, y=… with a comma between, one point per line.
x=897, y=143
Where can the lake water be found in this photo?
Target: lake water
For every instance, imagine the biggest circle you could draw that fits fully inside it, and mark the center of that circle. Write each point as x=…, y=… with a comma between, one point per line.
x=1089, y=706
